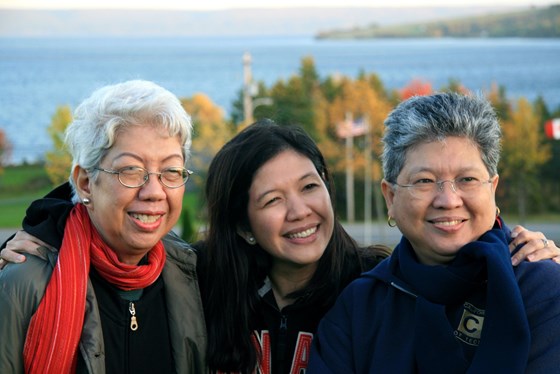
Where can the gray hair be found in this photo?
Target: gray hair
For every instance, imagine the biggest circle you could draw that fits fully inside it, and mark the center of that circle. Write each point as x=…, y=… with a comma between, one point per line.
x=423, y=119
x=111, y=109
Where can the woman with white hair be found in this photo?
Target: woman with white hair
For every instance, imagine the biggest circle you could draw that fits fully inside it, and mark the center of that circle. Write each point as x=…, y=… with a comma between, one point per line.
x=112, y=296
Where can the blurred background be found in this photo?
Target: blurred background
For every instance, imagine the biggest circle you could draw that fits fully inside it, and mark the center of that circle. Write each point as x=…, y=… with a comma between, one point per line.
x=336, y=68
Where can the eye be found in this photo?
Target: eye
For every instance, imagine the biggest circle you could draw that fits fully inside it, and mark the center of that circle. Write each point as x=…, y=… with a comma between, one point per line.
x=271, y=201
x=422, y=181
x=467, y=179
x=310, y=186
x=131, y=170
x=174, y=173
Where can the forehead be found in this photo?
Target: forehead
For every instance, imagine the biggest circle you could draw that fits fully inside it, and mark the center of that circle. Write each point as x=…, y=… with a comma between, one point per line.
x=286, y=167
x=451, y=154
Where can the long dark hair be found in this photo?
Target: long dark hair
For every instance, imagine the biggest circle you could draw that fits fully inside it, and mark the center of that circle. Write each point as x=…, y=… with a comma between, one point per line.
x=233, y=270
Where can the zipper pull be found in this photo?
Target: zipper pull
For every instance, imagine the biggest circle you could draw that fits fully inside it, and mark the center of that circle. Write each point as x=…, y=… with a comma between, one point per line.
x=283, y=323
x=133, y=322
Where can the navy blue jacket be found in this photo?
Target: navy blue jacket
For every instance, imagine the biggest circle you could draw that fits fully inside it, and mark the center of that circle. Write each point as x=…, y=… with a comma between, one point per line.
x=392, y=321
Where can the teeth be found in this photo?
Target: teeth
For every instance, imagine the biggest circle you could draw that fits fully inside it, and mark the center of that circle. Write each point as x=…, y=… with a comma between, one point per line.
x=449, y=223
x=145, y=218
x=303, y=234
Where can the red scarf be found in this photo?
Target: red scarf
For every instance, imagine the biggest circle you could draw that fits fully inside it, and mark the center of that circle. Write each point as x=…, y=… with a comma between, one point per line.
x=51, y=345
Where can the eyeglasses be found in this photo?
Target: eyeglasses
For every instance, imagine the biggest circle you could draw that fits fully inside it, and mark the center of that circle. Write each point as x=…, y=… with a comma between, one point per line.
x=426, y=188
x=135, y=176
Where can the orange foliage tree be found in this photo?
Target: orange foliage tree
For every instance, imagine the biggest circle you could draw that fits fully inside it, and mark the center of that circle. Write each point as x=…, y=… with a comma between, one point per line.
x=416, y=87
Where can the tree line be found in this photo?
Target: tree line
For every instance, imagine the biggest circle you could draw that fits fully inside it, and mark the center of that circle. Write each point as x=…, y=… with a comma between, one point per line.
x=529, y=167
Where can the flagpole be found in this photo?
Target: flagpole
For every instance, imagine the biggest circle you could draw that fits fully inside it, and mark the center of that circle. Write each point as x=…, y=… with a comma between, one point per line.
x=349, y=171
x=367, y=183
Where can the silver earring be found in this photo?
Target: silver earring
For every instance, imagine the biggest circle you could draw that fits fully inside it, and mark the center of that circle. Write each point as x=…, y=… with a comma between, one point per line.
x=86, y=201
x=251, y=239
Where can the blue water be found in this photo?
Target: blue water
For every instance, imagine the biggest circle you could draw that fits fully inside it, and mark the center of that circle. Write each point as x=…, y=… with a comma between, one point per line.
x=37, y=75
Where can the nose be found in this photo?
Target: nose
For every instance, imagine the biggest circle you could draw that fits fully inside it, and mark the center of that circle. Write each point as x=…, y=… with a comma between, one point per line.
x=152, y=189
x=447, y=198
x=297, y=208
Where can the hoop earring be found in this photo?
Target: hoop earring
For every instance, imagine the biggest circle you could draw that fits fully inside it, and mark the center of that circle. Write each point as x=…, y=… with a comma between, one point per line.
x=497, y=211
x=86, y=201
x=391, y=221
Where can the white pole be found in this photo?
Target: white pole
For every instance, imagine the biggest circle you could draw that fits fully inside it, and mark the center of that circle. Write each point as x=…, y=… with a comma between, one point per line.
x=349, y=171
x=367, y=183
x=247, y=86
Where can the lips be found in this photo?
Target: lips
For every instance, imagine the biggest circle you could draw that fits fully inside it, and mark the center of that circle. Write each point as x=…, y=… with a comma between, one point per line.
x=146, y=218
x=303, y=234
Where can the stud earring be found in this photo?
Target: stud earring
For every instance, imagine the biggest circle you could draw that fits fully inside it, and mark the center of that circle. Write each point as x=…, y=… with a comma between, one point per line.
x=86, y=201
x=251, y=239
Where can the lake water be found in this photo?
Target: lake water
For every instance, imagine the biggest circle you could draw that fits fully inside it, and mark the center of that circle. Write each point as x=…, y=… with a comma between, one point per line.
x=37, y=75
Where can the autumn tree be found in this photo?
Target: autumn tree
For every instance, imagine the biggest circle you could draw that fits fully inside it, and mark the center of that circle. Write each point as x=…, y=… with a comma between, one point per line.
x=59, y=161
x=5, y=150
x=524, y=152
x=359, y=100
x=416, y=87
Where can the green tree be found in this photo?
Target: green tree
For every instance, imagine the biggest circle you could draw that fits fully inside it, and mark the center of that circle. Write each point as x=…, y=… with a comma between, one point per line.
x=59, y=161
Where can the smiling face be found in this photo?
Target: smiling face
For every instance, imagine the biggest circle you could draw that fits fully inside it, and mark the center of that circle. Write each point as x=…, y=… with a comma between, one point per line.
x=438, y=225
x=290, y=211
x=132, y=220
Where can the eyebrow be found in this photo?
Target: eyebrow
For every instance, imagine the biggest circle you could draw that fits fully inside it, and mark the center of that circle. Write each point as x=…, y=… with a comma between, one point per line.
x=308, y=175
x=135, y=156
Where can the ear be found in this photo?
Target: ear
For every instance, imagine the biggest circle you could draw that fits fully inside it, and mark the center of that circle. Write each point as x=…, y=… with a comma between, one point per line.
x=495, y=182
x=81, y=181
x=388, y=194
x=247, y=236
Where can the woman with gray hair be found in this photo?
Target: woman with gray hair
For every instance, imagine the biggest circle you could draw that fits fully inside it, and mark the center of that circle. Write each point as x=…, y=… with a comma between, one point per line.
x=111, y=295
x=448, y=300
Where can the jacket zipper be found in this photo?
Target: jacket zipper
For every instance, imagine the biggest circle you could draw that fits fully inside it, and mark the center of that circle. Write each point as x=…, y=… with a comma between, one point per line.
x=133, y=321
x=282, y=333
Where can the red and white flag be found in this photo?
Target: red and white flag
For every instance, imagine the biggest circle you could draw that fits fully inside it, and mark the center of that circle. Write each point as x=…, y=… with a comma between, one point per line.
x=552, y=128
x=348, y=128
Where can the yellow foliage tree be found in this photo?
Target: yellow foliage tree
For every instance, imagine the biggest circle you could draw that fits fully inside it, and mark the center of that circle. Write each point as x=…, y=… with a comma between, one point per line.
x=58, y=161
x=359, y=100
x=211, y=131
x=5, y=150
x=524, y=151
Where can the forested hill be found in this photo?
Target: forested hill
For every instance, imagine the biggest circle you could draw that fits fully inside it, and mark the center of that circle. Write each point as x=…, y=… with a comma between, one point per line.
x=543, y=22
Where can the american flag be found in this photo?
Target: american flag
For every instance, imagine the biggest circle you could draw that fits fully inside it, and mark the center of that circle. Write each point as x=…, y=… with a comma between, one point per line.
x=352, y=128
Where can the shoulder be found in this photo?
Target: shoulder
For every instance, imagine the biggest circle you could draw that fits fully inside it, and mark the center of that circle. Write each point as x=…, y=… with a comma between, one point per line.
x=178, y=250
x=372, y=255
x=25, y=283
x=539, y=283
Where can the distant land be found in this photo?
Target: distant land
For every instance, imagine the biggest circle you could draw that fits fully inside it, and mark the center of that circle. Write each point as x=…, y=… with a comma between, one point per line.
x=238, y=22
x=542, y=22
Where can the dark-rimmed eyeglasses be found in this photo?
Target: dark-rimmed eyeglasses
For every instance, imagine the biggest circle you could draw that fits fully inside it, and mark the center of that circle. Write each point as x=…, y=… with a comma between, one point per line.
x=135, y=176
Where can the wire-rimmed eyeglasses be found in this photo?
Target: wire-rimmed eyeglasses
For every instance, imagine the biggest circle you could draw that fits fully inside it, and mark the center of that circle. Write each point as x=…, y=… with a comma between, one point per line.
x=463, y=186
x=135, y=176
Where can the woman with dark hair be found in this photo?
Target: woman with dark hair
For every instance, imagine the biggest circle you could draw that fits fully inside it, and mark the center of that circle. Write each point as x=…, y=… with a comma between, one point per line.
x=277, y=257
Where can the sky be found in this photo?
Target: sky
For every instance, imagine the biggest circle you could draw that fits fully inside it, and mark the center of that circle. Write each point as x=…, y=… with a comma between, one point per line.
x=231, y=4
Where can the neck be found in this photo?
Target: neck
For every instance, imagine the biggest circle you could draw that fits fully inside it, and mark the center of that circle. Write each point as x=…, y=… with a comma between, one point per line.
x=286, y=281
